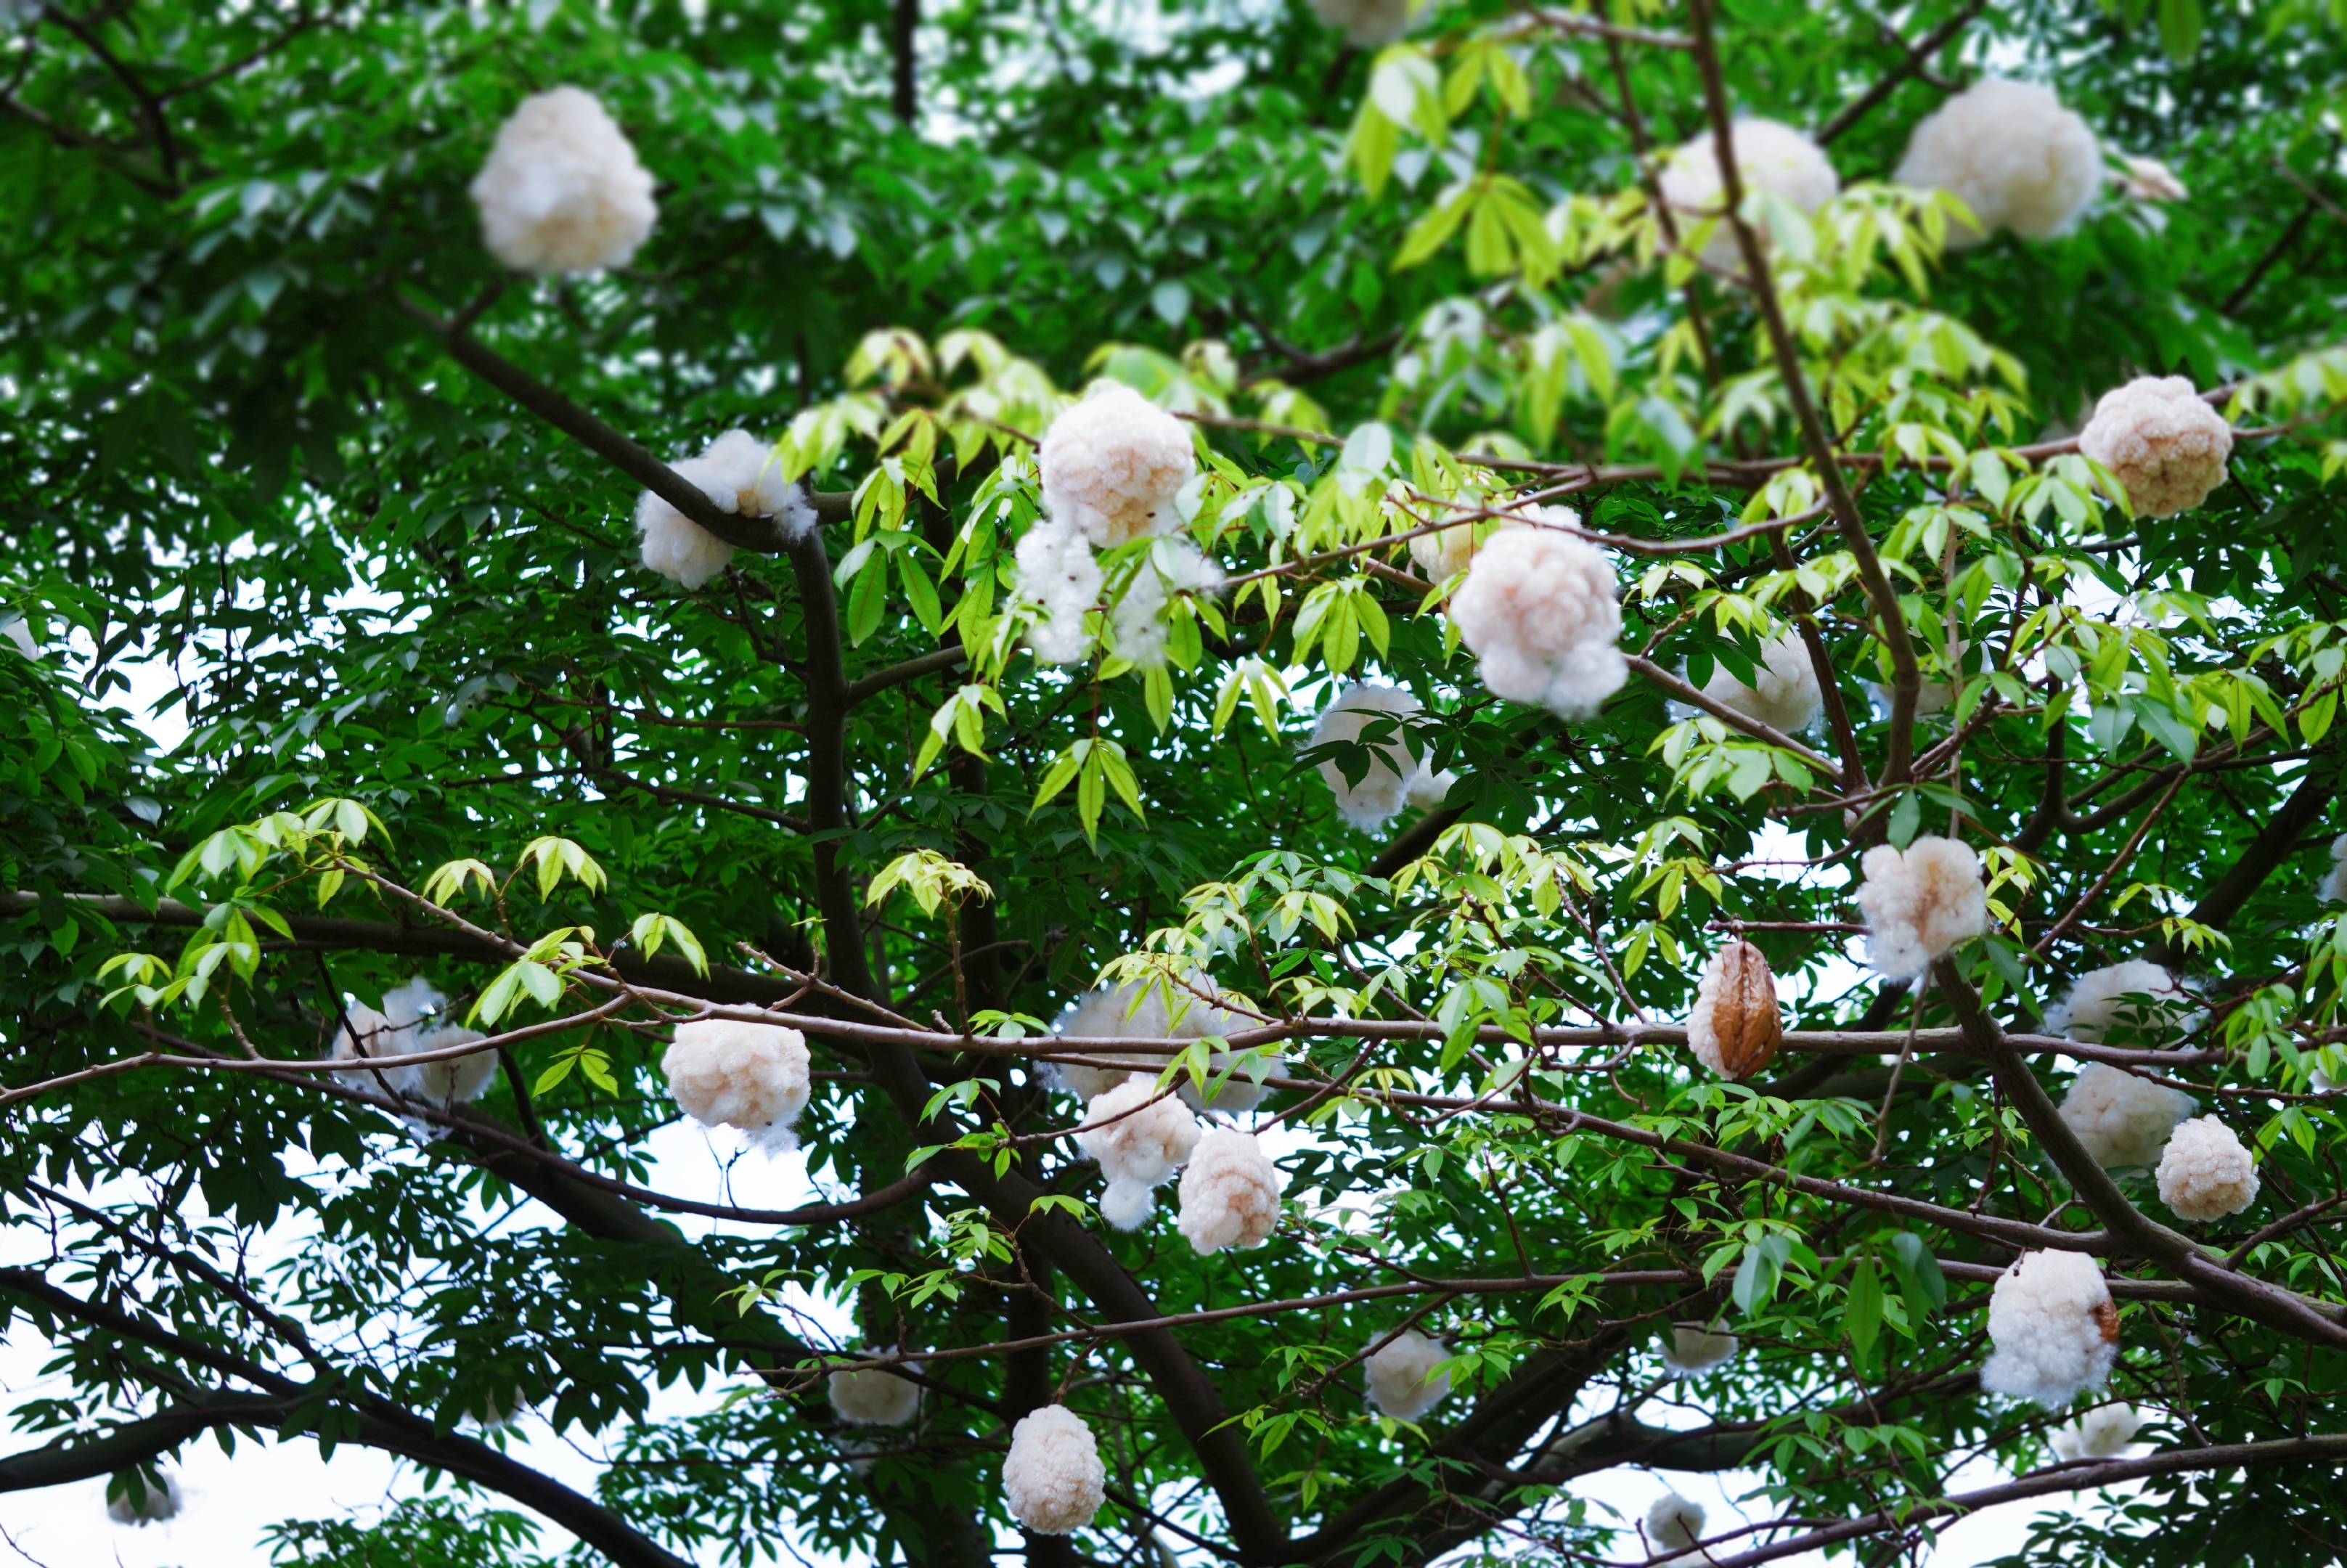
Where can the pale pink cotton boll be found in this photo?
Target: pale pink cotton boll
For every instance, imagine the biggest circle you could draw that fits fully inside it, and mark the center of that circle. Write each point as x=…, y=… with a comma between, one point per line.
x=739, y=474
x=1770, y=157
x=2205, y=1172
x=2054, y=1329
x=1444, y=553
x=1112, y=464
x=1230, y=1192
x=874, y=1398
x=1786, y=695
x=1919, y=902
x=1538, y=610
x=2122, y=1119
x=1110, y=1014
x=1384, y=789
x=1139, y=1140
x=1404, y=1377
x=1052, y=1478
x=2103, y=1432
x=752, y=1077
x=562, y=191
x=2164, y=445
x=2012, y=154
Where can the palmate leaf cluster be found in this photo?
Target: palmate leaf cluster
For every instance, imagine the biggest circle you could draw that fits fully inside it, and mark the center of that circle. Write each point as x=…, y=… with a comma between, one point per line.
x=426, y=682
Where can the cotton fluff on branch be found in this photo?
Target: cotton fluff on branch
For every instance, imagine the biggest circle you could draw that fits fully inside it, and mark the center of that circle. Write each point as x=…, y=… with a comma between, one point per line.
x=1101, y=1015
x=1444, y=553
x=1139, y=1140
x=2124, y=1121
x=1673, y=1522
x=1770, y=157
x=563, y=192
x=2103, y=1432
x=2165, y=446
x=409, y=1024
x=2335, y=881
x=2096, y=1006
x=1230, y=1192
x=1538, y=610
x=1697, y=1348
x=1404, y=1381
x=1137, y=625
x=2054, y=1329
x=2012, y=154
x=1365, y=24
x=2206, y=1173
x=1112, y=464
x=1056, y=570
x=748, y=1076
x=156, y=1504
x=1052, y=1478
x=1786, y=698
x=739, y=474
x=875, y=1397
x=1919, y=902
x=1396, y=776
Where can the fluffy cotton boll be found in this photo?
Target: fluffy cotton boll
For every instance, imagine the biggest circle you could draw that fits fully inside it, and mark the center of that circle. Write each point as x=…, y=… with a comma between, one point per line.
x=1697, y=1348
x=2149, y=179
x=1787, y=697
x=2012, y=154
x=459, y=1078
x=1673, y=1522
x=1112, y=464
x=1230, y=1192
x=2165, y=446
x=563, y=192
x=155, y=1504
x=2124, y=1121
x=1770, y=158
x=1735, y=1027
x=2054, y=1329
x=674, y=545
x=2206, y=1173
x=2103, y=1432
x=874, y=1398
x=1136, y=626
x=1404, y=1379
x=1444, y=553
x=1382, y=791
x=1538, y=611
x=1427, y=790
x=1919, y=902
x=1056, y=570
x=748, y=1076
x=1052, y=1478
x=1365, y=24
x=1127, y=1205
x=1103, y=1014
x=2097, y=1006
x=741, y=475
x=1138, y=1138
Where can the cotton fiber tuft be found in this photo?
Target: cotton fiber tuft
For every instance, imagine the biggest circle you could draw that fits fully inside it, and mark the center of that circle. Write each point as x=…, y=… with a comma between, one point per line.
x=1919, y=902
x=1771, y=158
x=1538, y=611
x=1113, y=463
x=1397, y=777
x=2054, y=1329
x=874, y=1398
x=2206, y=1173
x=1786, y=697
x=2123, y=1121
x=562, y=191
x=1230, y=1192
x=1139, y=1140
x=2161, y=441
x=752, y=1077
x=1052, y=1478
x=1404, y=1379
x=2012, y=154
x=2103, y=1432
x=740, y=476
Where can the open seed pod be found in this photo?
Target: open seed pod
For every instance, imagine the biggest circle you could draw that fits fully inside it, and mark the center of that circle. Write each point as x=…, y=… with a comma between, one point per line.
x=1735, y=1029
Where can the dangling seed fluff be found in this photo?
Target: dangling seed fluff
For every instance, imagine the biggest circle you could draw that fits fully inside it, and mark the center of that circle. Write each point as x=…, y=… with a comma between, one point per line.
x=2103, y=1432
x=155, y=1504
x=1113, y=463
x=2012, y=154
x=1056, y=570
x=2206, y=1173
x=2097, y=1007
x=1770, y=157
x=1735, y=1027
x=2054, y=1329
x=1137, y=629
x=748, y=1076
x=1787, y=697
x=2123, y=1121
x=1102, y=1015
x=1404, y=1379
x=1919, y=902
x=1384, y=789
x=1139, y=1140
x=1697, y=1348
x=874, y=1398
x=739, y=474
x=1230, y=1192
x=1538, y=611
x=1052, y=1478
x=2164, y=445
x=1674, y=1523
x=563, y=192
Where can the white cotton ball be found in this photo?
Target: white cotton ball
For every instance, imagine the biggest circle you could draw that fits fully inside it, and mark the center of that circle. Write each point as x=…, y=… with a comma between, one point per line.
x=1056, y=570
x=410, y=1022
x=2122, y=1120
x=1427, y=790
x=748, y=1076
x=2097, y=1007
x=1384, y=789
x=156, y=1504
x=2206, y=1173
x=1139, y=1140
x=1052, y=1478
x=1697, y=1348
x=1112, y=464
x=1770, y=157
x=563, y=192
x=1102, y=1015
x=459, y=1078
x=1673, y=1522
x=2103, y=1432
x=2149, y=179
x=371, y=1036
x=1538, y=610
x=1127, y=1205
x=1404, y=1379
x=1137, y=625
x=1230, y=1192
x=1788, y=698
x=2164, y=445
x=2054, y=1329
x=1444, y=553
x=739, y=474
x=674, y=545
x=2335, y=881
x=875, y=1397
x=1365, y=24
x=2012, y=154
x=1919, y=902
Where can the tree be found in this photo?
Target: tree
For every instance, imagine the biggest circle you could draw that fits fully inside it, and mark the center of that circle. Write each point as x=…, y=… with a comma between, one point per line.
x=278, y=419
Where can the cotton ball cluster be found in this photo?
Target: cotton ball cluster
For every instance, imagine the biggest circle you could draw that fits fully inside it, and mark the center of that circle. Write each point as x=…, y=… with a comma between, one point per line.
x=2012, y=154
x=2054, y=1329
x=1919, y=902
x=2097, y=1006
x=739, y=474
x=1230, y=1192
x=2165, y=446
x=1787, y=697
x=1052, y=1477
x=1770, y=157
x=1444, y=553
x=2103, y=1432
x=1396, y=776
x=1057, y=570
x=1538, y=610
x=1137, y=625
x=748, y=1076
x=2123, y=1121
x=1674, y=1523
x=563, y=192
x=408, y=1024
x=1405, y=1381
x=1110, y=1014
x=1112, y=464
x=2335, y=881
x=2206, y=1173
x=1365, y=24
x=1139, y=1140
x=874, y=1396
x=1697, y=1348
x=154, y=1503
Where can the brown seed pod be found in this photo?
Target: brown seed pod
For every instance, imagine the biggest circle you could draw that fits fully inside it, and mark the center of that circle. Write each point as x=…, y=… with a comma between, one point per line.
x=1735, y=1029
x=2106, y=1318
